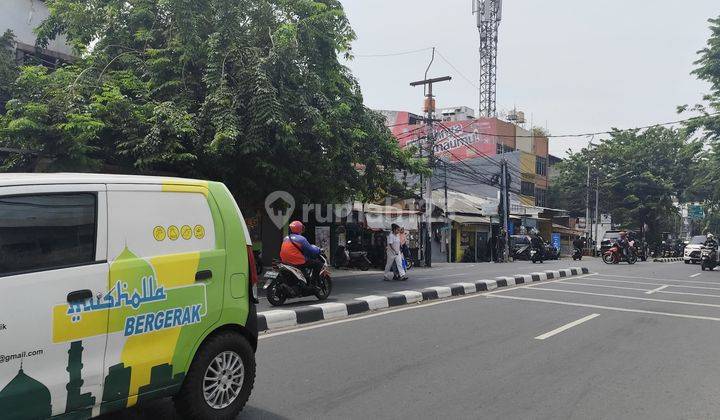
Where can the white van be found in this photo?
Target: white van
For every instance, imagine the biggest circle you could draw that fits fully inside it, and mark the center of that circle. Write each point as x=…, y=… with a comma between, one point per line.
x=118, y=289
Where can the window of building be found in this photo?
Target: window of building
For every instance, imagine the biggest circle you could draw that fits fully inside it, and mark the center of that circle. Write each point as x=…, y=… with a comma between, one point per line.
x=42, y=232
x=540, y=197
x=541, y=166
x=506, y=148
x=527, y=188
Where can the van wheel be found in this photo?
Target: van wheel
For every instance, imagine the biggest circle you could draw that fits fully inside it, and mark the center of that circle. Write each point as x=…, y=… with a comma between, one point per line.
x=220, y=379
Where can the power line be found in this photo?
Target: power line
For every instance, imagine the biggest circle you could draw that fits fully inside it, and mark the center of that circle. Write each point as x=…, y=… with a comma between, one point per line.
x=598, y=133
x=395, y=54
x=467, y=79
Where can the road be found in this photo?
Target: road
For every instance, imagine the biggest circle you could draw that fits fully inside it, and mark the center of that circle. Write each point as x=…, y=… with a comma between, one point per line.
x=624, y=342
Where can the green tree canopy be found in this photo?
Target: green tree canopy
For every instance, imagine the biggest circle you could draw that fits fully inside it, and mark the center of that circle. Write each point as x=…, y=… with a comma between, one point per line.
x=250, y=92
x=640, y=175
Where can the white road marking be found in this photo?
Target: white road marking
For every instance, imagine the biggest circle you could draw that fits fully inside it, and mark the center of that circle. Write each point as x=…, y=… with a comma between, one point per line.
x=605, y=286
x=680, y=302
x=659, y=279
x=610, y=308
x=650, y=292
x=655, y=284
x=665, y=281
x=669, y=292
x=695, y=275
x=566, y=327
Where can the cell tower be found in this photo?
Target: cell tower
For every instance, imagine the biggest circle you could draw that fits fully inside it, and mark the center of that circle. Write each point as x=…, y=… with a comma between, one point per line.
x=489, y=14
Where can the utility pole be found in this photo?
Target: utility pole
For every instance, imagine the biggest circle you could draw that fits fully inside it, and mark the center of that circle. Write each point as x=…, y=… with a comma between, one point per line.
x=597, y=208
x=430, y=147
x=505, y=204
x=588, y=229
x=448, y=225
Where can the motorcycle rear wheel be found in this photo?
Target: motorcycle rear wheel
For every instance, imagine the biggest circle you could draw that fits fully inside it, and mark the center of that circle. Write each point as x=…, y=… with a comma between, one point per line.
x=275, y=295
x=632, y=259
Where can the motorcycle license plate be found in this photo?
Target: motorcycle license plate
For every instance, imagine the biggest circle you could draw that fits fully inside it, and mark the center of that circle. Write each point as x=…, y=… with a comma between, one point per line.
x=272, y=275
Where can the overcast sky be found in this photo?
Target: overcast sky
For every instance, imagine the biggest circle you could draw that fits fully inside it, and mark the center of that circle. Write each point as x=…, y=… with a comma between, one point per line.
x=575, y=66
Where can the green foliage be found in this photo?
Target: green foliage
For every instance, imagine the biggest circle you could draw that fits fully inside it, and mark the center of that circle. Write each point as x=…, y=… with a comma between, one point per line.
x=706, y=187
x=640, y=174
x=249, y=92
x=8, y=69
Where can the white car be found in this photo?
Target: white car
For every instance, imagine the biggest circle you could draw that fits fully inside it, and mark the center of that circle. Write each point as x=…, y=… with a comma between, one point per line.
x=693, y=250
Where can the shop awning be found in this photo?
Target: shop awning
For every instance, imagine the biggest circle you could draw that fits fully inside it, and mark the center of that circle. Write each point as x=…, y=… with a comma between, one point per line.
x=384, y=221
x=566, y=230
x=469, y=220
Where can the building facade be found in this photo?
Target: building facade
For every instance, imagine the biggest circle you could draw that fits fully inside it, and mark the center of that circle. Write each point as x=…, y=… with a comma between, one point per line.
x=22, y=17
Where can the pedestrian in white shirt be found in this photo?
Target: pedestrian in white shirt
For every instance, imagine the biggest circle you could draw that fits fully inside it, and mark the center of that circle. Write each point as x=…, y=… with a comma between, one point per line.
x=394, y=255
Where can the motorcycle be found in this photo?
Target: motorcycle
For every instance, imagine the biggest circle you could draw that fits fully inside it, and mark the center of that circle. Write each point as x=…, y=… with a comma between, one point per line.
x=288, y=282
x=351, y=259
x=614, y=255
x=709, y=259
x=535, y=256
x=577, y=254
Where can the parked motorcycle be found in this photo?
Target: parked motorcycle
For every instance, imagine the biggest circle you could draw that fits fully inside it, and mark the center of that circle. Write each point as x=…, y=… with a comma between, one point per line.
x=709, y=258
x=288, y=282
x=614, y=255
x=577, y=254
x=351, y=259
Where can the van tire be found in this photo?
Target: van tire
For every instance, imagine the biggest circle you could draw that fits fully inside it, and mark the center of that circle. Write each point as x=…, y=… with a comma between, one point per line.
x=190, y=401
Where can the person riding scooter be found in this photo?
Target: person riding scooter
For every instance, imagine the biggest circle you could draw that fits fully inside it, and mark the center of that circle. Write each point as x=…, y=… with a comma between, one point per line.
x=624, y=245
x=538, y=245
x=579, y=245
x=298, y=252
x=711, y=242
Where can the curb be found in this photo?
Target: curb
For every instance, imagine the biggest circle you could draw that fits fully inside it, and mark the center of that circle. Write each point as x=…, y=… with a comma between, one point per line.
x=662, y=260
x=284, y=318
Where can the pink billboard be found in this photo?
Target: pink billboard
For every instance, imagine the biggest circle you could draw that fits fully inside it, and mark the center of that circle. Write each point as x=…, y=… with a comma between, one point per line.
x=455, y=140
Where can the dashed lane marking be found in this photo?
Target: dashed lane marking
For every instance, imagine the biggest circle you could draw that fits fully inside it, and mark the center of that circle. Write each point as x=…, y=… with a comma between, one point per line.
x=650, y=292
x=566, y=327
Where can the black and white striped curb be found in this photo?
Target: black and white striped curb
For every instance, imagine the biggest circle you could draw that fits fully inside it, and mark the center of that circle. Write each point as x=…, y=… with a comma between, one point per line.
x=668, y=259
x=284, y=318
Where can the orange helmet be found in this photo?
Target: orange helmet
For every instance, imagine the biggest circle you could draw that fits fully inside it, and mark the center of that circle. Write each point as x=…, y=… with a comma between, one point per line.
x=297, y=227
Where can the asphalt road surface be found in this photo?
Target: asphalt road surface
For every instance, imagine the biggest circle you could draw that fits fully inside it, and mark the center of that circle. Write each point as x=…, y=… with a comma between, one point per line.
x=624, y=342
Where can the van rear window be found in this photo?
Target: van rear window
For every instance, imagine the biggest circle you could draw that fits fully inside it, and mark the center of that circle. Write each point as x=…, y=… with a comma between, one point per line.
x=41, y=232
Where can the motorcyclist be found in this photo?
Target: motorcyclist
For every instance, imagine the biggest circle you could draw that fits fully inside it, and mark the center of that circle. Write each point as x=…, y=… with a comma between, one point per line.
x=538, y=244
x=711, y=242
x=624, y=244
x=579, y=243
x=298, y=252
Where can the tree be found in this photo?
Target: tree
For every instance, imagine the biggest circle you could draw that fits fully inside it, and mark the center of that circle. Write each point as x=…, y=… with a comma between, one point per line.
x=250, y=92
x=8, y=68
x=706, y=185
x=641, y=175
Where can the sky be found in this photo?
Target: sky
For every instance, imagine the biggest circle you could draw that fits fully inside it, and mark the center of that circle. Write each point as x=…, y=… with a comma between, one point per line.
x=573, y=66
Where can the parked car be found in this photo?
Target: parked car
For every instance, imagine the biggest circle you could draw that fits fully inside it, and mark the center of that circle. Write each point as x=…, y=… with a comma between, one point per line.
x=693, y=250
x=119, y=289
x=520, y=247
x=609, y=238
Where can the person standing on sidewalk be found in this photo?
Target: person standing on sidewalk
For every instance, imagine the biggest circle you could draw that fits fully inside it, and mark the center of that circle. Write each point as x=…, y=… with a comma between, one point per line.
x=393, y=255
